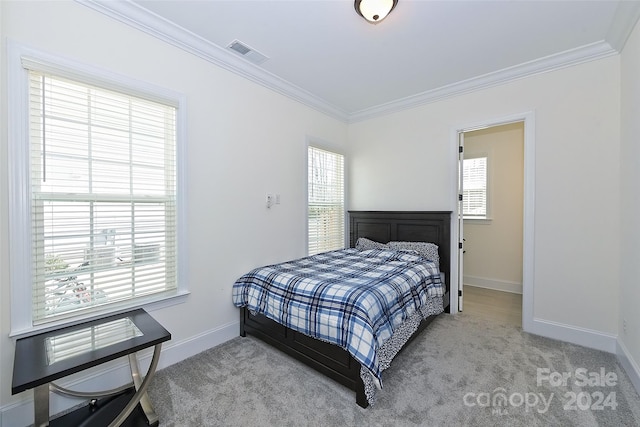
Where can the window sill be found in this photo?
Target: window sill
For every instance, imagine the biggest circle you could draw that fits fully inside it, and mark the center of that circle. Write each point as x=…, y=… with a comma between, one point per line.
x=479, y=221
x=151, y=304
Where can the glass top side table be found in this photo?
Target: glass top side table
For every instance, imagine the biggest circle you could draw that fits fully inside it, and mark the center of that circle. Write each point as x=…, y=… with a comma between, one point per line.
x=43, y=358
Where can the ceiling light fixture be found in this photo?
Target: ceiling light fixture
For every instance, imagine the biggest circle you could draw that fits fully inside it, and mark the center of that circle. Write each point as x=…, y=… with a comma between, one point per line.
x=374, y=11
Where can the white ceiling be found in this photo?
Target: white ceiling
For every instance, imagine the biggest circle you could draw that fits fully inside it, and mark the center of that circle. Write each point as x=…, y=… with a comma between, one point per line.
x=325, y=55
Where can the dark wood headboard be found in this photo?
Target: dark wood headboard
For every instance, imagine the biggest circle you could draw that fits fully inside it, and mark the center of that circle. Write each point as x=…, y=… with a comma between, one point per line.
x=409, y=226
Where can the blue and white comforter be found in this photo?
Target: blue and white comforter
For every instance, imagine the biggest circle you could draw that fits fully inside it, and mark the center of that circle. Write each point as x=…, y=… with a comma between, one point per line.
x=354, y=299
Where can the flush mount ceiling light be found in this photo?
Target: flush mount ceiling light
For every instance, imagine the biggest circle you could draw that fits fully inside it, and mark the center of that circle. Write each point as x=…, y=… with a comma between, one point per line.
x=374, y=11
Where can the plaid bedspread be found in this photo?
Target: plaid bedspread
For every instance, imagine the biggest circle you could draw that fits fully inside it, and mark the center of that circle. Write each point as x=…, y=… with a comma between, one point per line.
x=355, y=299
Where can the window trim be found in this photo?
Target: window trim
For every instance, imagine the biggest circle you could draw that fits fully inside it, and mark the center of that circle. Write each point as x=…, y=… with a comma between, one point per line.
x=477, y=219
x=323, y=145
x=20, y=188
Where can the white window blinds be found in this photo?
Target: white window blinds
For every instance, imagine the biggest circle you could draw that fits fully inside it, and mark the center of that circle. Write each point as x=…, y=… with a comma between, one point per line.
x=474, y=188
x=103, y=196
x=325, y=200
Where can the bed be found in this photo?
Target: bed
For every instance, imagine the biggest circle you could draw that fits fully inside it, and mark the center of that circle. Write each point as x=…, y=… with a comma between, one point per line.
x=338, y=357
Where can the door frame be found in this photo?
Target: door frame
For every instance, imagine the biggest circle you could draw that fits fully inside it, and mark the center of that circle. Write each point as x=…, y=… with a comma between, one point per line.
x=528, y=250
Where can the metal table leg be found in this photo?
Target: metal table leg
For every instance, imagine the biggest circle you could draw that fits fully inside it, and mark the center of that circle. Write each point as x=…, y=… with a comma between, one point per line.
x=145, y=402
x=41, y=394
x=140, y=391
x=41, y=405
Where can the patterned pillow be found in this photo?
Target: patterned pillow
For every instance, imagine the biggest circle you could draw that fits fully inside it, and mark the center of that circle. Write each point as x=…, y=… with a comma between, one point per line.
x=364, y=244
x=426, y=250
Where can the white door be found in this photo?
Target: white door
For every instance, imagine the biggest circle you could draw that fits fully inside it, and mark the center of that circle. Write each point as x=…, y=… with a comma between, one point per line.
x=460, y=217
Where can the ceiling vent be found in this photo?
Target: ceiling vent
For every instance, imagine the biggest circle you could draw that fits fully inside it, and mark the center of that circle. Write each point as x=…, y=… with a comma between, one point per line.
x=247, y=52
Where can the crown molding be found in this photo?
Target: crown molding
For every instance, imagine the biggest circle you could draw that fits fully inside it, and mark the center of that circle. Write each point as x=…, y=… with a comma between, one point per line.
x=626, y=16
x=550, y=63
x=136, y=16
x=624, y=20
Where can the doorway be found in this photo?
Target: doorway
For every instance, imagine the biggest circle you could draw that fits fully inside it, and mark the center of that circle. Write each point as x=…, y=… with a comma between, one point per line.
x=492, y=205
x=528, y=178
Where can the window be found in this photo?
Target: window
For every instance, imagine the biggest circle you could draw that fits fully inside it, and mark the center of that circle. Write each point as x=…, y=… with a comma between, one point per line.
x=100, y=184
x=474, y=188
x=325, y=200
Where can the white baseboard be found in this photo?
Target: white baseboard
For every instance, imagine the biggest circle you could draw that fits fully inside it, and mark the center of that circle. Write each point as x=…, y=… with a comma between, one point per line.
x=115, y=374
x=175, y=352
x=628, y=364
x=592, y=339
x=573, y=334
x=495, y=284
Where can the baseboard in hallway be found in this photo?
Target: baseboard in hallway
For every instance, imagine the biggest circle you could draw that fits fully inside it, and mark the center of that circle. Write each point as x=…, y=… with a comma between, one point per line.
x=505, y=307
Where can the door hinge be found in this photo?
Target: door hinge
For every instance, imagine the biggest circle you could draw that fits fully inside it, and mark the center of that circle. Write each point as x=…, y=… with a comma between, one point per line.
x=460, y=197
x=460, y=149
x=459, y=292
x=459, y=245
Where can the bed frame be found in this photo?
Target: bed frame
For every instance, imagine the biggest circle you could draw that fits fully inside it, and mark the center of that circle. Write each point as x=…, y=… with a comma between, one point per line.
x=381, y=226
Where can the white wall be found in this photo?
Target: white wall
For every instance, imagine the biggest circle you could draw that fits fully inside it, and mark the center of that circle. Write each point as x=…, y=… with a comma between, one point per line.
x=243, y=141
x=233, y=162
x=630, y=178
x=493, y=248
x=5, y=348
x=405, y=161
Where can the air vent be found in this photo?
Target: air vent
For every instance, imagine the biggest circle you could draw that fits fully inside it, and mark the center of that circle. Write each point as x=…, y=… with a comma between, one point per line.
x=247, y=52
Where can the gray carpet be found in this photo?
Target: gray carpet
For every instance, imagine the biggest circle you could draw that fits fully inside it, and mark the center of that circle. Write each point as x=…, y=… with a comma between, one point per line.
x=451, y=375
